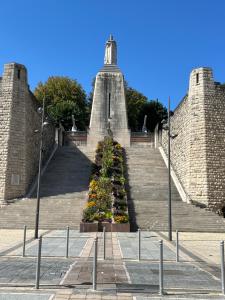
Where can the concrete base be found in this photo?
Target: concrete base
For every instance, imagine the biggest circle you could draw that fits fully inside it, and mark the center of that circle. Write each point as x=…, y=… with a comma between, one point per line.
x=109, y=227
x=88, y=227
x=122, y=137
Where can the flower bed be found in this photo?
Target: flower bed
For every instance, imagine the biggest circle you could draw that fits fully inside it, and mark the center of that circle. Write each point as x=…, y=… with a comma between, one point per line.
x=107, y=199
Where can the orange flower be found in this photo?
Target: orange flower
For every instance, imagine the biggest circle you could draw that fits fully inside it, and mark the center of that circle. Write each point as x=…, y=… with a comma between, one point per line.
x=92, y=196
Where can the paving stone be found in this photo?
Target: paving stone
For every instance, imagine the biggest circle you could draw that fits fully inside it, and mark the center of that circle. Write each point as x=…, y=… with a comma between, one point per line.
x=149, y=246
x=23, y=270
x=27, y=296
x=176, y=276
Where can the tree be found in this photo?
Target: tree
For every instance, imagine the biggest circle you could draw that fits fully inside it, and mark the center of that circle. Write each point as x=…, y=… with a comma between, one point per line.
x=155, y=113
x=135, y=104
x=64, y=97
x=138, y=106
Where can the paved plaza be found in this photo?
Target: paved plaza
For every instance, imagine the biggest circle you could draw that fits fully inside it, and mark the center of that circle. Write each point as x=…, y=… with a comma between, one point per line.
x=121, y=276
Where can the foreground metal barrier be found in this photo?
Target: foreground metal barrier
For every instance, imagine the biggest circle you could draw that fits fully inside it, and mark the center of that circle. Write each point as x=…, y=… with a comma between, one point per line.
x=67, y=241
x=140, y=251
x=95, y=266
x=161, y=292
x=222, y=267
x=24, y=240
x=38, y=267
x=177, y=246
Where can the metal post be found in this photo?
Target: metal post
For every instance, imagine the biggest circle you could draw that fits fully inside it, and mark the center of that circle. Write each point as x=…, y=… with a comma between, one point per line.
x=67, y=241
x=95, y=258
x=38, y=266
x=39, y=173
x=104, y=243
x=222, y=266
x=161, y=267
x=139, y=244
x=24, y=239
x=177, y=246
x=169, y=179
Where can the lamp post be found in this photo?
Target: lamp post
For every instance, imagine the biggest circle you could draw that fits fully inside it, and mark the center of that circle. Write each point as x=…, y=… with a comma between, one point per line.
x=168, y=128
x=169, y=180
x=42, y=111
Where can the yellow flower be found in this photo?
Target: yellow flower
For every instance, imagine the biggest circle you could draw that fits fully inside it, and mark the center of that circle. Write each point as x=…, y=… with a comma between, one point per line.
x=121, y=219
x=91, y=204
x=93, y=185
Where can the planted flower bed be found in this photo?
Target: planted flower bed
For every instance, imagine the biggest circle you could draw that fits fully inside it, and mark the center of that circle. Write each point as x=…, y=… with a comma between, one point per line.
x=107, y=199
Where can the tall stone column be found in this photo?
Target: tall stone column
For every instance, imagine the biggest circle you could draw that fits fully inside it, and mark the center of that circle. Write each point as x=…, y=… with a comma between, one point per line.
x=12, y=127
x=109, y=113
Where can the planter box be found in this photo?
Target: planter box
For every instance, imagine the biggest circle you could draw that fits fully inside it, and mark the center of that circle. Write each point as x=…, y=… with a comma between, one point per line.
x=120, y=227
x=88, y=227
x=107, y=226
x=95, y=227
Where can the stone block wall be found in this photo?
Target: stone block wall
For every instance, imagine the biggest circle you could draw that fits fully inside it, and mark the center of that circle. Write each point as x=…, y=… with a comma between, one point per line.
x=197, y=153
x=19, y=144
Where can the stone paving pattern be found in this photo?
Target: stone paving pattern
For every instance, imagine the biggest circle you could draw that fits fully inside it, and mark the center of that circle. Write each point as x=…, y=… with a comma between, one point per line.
x=28, y=296
x=120, y=276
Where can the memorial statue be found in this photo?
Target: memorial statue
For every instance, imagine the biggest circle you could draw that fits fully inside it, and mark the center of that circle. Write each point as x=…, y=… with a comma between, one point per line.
x=74, y=128
x=144, y=128
x=110, y=52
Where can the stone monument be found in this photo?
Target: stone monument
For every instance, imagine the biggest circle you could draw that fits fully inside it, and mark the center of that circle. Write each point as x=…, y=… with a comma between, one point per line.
x=109, y=104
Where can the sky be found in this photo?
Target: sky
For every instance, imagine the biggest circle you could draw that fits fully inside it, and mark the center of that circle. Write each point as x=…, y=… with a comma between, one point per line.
x=159, y=41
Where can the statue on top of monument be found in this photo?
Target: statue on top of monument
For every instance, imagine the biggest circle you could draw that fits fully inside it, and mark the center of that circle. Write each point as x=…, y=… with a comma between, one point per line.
x=110, y=52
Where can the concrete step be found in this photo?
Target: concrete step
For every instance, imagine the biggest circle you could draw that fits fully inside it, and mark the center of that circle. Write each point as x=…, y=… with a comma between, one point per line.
x=64, y=187
x=148, y=197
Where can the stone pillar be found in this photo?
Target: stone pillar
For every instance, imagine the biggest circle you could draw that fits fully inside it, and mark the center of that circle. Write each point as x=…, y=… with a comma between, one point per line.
x=12, y=127
x=201, y=86
x=109, y=111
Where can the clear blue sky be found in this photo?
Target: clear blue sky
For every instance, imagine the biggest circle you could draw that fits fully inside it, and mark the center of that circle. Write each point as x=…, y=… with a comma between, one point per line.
x=159, y=41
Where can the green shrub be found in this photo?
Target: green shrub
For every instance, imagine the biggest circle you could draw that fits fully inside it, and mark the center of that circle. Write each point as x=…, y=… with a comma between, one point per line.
x=107, y=179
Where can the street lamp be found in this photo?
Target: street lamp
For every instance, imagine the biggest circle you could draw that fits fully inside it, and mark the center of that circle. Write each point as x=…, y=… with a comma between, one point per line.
x=41, y=110
x=167, y=127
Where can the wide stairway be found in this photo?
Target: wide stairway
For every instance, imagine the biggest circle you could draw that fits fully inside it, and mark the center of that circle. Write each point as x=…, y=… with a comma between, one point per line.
x=64, y=186
x=148, y=199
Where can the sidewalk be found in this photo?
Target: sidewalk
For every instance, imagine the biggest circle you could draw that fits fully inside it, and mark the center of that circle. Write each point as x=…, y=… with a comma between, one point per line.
x=120, y=276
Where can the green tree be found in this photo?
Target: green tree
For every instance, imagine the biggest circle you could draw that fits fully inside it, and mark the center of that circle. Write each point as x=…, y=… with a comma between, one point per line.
x=138, y=106
x=64, y=97
x=155, y=112
x=135, y=104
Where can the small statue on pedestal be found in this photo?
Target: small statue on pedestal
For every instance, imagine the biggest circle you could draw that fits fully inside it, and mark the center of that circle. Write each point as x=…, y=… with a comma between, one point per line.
x=144, y=128
x=74, y=128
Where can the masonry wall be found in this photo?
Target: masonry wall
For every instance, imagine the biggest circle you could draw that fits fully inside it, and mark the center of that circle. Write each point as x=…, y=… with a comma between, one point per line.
x=19, y=144
x=197, y=153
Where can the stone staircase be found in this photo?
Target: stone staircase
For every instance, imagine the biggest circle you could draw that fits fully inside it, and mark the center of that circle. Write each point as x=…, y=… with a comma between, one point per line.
x=63, y=190
x=148, y=196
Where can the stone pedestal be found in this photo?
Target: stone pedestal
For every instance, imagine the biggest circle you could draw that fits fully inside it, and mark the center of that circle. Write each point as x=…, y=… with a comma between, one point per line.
x=109, y=108
x=109, y=113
